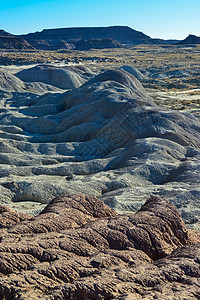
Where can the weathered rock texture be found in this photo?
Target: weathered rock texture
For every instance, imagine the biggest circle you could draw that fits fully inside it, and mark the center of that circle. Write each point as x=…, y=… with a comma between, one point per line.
x=78, y=248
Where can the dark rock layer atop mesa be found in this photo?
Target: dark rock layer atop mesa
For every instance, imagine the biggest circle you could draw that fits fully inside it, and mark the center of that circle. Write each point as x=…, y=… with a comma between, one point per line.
x=78, y=248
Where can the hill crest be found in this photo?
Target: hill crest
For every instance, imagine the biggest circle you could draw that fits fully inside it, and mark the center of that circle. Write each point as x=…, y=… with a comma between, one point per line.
x=191, y=39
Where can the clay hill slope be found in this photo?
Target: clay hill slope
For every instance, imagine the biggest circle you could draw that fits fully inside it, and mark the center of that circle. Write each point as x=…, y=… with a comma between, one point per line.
x=68, y=37
x=106, y=138
x=78, y=248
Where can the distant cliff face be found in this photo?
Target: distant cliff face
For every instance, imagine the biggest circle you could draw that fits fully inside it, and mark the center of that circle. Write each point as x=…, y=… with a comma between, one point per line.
x=191, y=39
x=122, y=34
x=66, y=37
x=79, y=38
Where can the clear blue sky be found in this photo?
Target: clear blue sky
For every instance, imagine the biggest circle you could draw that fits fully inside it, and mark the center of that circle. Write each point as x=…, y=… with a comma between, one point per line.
x=156, y=18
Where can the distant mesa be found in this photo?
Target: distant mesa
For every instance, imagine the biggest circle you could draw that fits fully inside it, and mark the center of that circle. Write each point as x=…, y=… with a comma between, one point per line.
x=122, y=34
x=9, y=82
x=191, y=39
x=79, y=248
x=84, y=38
x=79, y=38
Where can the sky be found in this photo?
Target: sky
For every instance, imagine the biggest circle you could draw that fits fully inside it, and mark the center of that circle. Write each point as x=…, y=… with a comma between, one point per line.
x=171, y=19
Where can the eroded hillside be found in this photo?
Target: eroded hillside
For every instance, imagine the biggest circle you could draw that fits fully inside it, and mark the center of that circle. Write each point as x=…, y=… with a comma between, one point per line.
x=102, y=135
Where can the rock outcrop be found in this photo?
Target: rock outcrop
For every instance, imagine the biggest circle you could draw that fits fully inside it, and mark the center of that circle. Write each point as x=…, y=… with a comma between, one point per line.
x=78, y=248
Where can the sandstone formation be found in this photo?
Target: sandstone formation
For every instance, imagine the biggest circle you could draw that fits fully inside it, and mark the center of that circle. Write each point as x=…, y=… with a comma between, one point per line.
x=78, y=248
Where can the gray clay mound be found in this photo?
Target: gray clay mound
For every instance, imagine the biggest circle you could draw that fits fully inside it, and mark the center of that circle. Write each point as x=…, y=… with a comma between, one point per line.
x=9, y=82
x=134, y=71
x=106, y=138
x=61, y=77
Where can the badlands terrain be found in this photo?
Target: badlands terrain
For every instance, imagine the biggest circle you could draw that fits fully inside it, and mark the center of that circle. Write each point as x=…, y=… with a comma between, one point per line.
x=81, y=122
x=117, y=131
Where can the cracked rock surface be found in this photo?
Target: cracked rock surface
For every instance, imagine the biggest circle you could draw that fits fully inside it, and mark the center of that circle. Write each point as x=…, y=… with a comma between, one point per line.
x=78, y=248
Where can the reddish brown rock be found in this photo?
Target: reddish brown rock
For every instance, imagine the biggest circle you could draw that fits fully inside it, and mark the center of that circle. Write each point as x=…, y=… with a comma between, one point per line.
x=8, y=217
x=78, y=248
x=65, y=212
